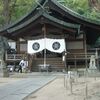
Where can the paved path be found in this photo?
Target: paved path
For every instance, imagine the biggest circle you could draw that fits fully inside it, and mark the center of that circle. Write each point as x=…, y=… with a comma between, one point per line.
x=21, y=88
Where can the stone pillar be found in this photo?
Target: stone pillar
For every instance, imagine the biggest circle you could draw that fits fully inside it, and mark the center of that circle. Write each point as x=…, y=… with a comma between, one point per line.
x=3, y=47
x=3, y=67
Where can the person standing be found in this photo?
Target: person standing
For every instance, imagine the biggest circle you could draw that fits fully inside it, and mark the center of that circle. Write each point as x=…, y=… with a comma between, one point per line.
x=21, y=65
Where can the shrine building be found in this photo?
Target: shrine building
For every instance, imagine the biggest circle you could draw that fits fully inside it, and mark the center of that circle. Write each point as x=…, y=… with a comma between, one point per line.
x=51, y=20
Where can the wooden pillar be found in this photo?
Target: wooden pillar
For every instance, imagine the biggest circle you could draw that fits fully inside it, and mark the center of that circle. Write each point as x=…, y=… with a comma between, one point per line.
x=66, y=53
x=18, y=46
x=85, y=47
x=44, y=35
x=65, y=61
x=75, y=62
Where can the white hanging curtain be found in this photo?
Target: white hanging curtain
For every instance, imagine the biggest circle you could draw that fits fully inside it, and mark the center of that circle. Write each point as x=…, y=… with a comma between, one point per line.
x=53, y=45
x=35, y=46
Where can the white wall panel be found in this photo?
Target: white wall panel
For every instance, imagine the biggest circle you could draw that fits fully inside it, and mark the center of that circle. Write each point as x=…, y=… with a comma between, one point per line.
x=75, y=45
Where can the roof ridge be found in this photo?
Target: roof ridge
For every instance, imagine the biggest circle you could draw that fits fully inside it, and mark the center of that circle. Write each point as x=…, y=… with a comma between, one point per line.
x=75, y=14
x=70, y=25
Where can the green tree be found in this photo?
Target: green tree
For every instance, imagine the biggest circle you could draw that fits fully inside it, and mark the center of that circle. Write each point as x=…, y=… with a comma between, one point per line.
x=83, y=8
x=12, y=10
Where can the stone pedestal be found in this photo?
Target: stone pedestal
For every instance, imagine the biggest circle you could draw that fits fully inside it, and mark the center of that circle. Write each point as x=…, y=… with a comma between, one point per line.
x=92, y=65
x=3, y=47
x=3, y=70
x=3, y=67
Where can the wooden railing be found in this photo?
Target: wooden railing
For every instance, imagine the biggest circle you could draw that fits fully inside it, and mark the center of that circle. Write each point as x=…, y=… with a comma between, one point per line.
x=81, y=56
x=69, y=56
x=14, y=57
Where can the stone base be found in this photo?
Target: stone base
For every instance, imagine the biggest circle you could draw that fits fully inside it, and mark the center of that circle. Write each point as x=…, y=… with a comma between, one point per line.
x=1, y=74
x=4, y=73
x=93, y=73
x=92, y=70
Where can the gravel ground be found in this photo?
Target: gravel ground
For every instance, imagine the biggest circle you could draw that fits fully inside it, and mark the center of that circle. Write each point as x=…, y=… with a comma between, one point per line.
x=61, y=89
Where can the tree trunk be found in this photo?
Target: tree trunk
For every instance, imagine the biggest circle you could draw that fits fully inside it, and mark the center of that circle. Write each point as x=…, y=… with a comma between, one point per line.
x=95, y=4
x=6, y=11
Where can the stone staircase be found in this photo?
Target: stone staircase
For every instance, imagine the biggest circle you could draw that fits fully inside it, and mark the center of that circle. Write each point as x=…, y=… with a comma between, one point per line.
x=56, y=64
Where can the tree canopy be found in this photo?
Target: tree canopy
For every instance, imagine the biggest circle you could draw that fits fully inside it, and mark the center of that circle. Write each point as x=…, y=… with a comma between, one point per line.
x=12, y=10
x=83, y=8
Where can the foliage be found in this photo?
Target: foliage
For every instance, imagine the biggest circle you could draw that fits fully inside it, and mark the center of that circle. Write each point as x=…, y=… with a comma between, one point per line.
x=19, y=8
x=83, y=8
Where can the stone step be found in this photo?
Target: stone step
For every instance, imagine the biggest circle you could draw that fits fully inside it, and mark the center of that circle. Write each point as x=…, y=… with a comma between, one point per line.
x=56, y=63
